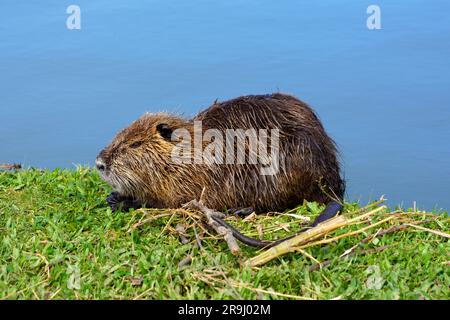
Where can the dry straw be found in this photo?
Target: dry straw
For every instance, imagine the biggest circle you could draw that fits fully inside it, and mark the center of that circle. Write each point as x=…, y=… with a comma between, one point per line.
x=374, y=216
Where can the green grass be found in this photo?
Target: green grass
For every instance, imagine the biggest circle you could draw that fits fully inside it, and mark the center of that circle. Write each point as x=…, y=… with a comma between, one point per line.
x=55, y=227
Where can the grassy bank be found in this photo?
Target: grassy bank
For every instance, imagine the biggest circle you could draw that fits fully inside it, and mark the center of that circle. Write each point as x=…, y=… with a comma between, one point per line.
x=58, y=240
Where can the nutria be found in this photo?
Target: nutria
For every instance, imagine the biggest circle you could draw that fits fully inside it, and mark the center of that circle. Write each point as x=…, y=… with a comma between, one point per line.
x=139, y=163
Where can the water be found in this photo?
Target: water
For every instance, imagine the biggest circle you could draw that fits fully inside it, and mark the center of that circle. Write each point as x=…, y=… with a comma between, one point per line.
x=384, y=95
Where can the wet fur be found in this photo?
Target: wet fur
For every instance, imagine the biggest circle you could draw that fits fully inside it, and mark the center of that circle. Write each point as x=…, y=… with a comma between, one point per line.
x=139, y=163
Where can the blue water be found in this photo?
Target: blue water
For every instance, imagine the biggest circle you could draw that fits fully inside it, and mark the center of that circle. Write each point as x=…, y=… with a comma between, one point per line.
x=384, y=95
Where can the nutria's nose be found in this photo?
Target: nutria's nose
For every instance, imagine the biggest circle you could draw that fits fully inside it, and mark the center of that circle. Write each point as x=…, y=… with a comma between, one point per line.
x=100, y=164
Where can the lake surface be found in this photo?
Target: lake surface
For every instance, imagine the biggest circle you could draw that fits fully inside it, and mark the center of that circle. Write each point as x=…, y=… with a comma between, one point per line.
x=383, y=95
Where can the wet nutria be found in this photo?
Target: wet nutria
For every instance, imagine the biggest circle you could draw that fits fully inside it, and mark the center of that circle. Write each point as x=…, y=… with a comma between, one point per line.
x=139, y=163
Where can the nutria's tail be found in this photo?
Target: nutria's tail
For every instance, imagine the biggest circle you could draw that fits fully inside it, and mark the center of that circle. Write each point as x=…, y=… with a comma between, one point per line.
x=332, y=209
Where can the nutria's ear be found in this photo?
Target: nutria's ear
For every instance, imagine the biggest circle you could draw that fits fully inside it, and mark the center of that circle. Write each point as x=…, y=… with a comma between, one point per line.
x=164, y=130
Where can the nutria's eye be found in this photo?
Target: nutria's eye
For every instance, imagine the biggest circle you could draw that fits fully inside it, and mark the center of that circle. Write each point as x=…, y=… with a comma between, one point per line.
x=136, y=144
x=164, y=130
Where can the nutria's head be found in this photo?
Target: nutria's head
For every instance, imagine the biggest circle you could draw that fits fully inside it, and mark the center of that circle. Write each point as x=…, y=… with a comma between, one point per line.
x=139, y=155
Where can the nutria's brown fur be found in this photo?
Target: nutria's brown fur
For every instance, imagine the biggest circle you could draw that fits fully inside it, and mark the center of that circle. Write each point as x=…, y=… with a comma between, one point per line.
x=139, y=164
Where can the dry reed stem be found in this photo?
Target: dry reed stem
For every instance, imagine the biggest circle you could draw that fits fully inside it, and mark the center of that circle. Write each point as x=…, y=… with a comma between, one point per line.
x=370, y=205
x=369, y=238
x=197, y=239
x=300, y=241
x=286, y=246
x=225, y=232
x=211, y=280
x=23, y=290
x=395, y=229
x=142, y=222
x=345, y=235
x=304, y=240
x=325, y=263
x=439, y=233
x=306, y=254
x=366, y=215
x=181, y=230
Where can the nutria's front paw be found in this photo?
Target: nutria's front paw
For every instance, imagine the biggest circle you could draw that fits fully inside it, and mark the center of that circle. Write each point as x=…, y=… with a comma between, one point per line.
x=118, y=202
x=113, y=200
